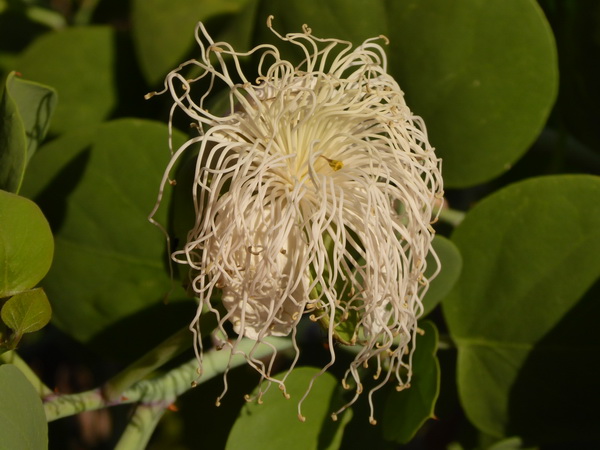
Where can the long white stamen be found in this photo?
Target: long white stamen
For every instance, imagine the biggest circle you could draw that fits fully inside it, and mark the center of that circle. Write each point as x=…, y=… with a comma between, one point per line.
x=313, y=194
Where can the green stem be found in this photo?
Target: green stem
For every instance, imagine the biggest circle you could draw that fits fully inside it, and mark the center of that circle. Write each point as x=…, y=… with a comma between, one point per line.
x=140, y=427
x=445, y=342
x=452, y=216
x=85, y=13
x=47, y=17
x=161, y=391
x=167, y=350
x=11, y=357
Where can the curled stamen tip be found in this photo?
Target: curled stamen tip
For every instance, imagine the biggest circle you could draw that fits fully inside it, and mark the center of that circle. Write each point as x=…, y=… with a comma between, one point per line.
x=420, y=332
x=270, y=20
x=218, y=402
x=149, y=95
x=287, y=396
x=259, y=401
x=372, y=421
x=306, y=29
x=247, y=398
x=385, y=39
x=301, y=418
x=334, y=417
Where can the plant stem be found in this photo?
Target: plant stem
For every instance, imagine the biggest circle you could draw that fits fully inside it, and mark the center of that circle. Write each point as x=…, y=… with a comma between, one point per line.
x=86, y=10
x=11, y=357
x=161, y=391
x=140, y=427
x=452, y=216
x=151, y=361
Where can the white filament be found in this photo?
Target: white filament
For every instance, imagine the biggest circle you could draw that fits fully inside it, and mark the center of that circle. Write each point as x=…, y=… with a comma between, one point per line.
x=313, y=194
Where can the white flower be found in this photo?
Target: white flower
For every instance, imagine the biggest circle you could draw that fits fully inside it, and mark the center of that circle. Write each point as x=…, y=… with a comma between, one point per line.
x=313, y=194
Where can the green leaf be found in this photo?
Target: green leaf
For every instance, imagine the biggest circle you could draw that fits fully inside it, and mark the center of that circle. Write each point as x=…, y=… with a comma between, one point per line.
x=530, y=252
x=483, y=75
x=13, y=144
x=25, y=112
x=36, y=103
x=406, y=411
x=26, y=244
x=79, y=64
x=27, y=311
x=163, y=30
x=275, y=424
x=451, y=265
x=99, y=186
x=331, y=19
x=22, y=419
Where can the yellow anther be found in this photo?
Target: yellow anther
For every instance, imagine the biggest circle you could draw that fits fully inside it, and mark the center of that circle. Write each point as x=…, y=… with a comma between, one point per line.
x=335, y=164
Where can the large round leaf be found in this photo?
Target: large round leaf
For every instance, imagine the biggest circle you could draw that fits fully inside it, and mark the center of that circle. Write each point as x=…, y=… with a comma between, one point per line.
x=26, y=245
x=22, y=418
x=483, y=75
x=528, y=356
x=100, y=186
x=79, y=64
x=275, y=424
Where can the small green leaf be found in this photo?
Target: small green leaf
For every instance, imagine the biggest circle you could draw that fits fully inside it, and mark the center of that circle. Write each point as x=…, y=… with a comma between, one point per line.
x=163, y=30
x=26, y=244
x=518, y=313
x=406, y=411
x=451, y=265
x=275, y=424
x=27, y=311
x=79, y=63
x=22, y=419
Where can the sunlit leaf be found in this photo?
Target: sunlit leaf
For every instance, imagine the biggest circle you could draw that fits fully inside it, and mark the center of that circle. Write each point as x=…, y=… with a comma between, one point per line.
x=26, y=244
x=517, y=315
x=22, y=419
x=275, y=424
